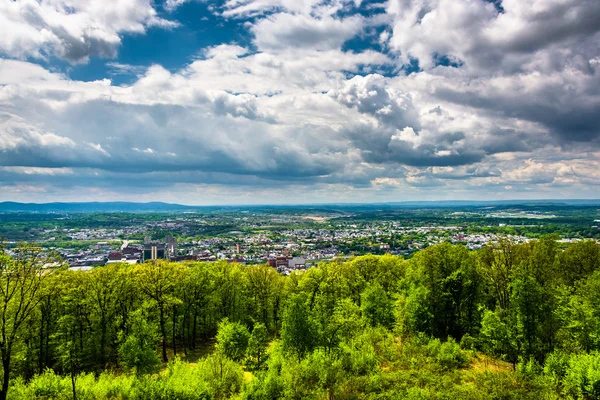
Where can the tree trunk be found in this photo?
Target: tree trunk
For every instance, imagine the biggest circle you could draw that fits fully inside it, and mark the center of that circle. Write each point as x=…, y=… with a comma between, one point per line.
x=103, y=343
x=174, y=331
x=73, y=379
x=47, y=344
x=164, y=335
x=185, y=330
x=6, y=377
x=194, y=329
x=41, y=352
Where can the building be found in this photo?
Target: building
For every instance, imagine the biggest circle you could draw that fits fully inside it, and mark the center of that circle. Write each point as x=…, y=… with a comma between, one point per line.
x=114, y=256
x=171, y=244
x=134, y=251
x=154, y=252
x=297, y=262
x=117, y=257
x=279, y=261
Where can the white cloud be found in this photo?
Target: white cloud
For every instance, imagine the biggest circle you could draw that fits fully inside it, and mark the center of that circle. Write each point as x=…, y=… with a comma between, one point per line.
x=15, y=133
x=72, y=30
x=171, y=5
x=517, y=108
x=99, y=149
x=37, y=171
x=284, y=31
x=526, y=35
x=249, y=8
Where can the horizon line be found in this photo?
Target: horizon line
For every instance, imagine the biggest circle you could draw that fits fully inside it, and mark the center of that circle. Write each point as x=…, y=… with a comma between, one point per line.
x=591, y=200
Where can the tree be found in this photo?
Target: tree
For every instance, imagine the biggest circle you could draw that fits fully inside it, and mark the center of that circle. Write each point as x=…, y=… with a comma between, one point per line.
x=257, y=346
x=377, y=307
x=138, y=351
x=579, y=314
x=499, y=337
x=197, y=290
x=106, y=288
x=158, y=281
x=579, y=260
x=223, y=376
x=22, y=289
x=230, y=294
x=452, y=289
x=298, y=333
x=232, y=339
x=532, y=304
x=71, y=336
x=70, y=352
x=496, y=264
x=263, y=284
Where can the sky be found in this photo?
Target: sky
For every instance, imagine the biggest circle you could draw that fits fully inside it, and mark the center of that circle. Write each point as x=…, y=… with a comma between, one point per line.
x=299, y=101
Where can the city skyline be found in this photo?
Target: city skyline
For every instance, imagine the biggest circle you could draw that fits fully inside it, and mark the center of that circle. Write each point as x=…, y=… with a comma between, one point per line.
x=282, y=101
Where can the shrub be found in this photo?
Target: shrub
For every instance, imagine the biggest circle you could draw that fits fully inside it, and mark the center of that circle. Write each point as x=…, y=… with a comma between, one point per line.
x=582, y=379
x=448, y=354
x=223, y=377
x=51, y=386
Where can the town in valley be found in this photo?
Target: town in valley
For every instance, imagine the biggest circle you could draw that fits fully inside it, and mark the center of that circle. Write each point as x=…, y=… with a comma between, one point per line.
x=285, y=237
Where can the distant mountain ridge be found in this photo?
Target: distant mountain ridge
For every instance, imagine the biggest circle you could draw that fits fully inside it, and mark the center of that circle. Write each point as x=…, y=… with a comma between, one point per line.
x=122, y=206
x=90, y=207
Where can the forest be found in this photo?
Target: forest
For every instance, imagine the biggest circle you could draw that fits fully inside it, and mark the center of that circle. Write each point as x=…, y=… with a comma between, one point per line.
x=509, y=321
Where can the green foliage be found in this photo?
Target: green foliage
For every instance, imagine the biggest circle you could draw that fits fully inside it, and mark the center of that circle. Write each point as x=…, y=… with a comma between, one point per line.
x=376, y=306
x=579, y=313
x=257, y=346
x=214, y=378
x=448, y=354
x=497, y=337
x=372, y=327
x=412, y=312
x=298, y=332
x=451, y=291
x=138, y=349
x=582, y=378
x=223, y=376
x=232, y=339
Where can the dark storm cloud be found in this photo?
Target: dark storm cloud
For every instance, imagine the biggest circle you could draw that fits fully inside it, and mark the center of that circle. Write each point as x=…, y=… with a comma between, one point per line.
x=570, y=111
x=556, y=24
x=425, y=155
x=380, y=145
x=111, y=141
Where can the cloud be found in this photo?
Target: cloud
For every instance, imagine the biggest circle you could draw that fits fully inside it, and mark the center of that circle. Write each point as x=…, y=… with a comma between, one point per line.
x=565, y=103
x=326, y=100
x=72, y=30
x=37, y=171
x=16, y=134
x=125, y=69
x=208, y=130
x=171, y=5
x=284, y=31
x=371, y=95
x=253, y=8
x=521, y=36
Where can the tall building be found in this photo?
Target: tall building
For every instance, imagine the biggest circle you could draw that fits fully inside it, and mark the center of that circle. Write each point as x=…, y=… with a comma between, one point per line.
x=171, y=244
x=154, y=252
